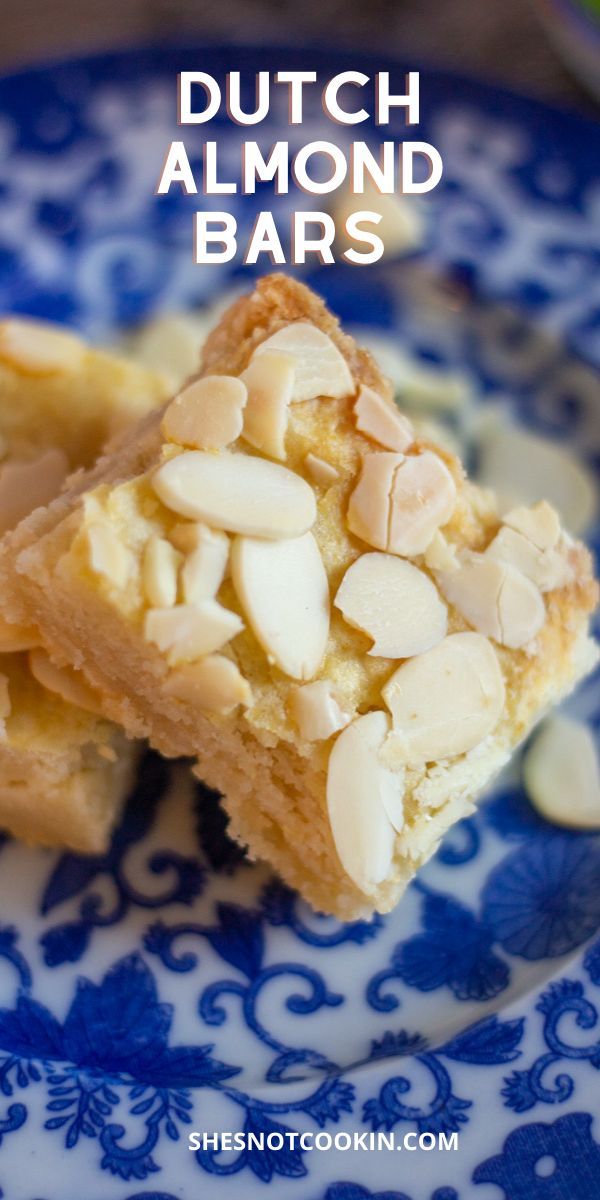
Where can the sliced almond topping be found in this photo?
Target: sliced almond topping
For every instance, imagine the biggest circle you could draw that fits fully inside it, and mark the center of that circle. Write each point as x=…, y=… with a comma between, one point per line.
x=270, y=383
x=369, y=506
x=561, y=773
x=159, y=572
x=316, y=711
x=380, y=420
x=540, y=524
x=107, y=554
x=440, y=554
x=321, y=472
x=189, y=631
x=208, y=414
x=394, y=603
x=66, y=682
x=320, y=369
x=496, y=599
x=444, y=702
x=361, y=793
x=5, y=704
x=238, y=493
x=214, y=683
x=398, y=503
x=28, y=485
x=17, y=637
x=39, y=349
x=204, y=568
x=282, y=587
x=548, y=569
x=423, y=498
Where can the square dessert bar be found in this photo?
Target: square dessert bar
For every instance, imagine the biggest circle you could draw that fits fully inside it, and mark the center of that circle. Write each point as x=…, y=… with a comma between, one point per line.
x=64, y=768
x=276, y=576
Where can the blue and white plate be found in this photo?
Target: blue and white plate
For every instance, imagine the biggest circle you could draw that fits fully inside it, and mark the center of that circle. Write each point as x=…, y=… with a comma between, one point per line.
x=170, y=986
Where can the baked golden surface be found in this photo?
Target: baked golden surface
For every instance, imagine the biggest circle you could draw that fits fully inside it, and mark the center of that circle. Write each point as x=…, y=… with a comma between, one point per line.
x=79, y=572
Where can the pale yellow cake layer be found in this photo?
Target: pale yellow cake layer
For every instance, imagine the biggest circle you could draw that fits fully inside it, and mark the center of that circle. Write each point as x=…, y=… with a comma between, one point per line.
x=64, y=772
x=79, y=407
x=274, y=782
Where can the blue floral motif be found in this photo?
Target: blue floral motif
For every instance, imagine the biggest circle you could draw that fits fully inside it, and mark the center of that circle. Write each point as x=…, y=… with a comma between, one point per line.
x=574, y=1158
x=510, y=814
x=525, y=1088
x=113, y=1041
x=281, y=906
x=591, y=962
x=461, y=845
x=454, y=951
x=488, y=1042
x=544, y=900
x=73, y=874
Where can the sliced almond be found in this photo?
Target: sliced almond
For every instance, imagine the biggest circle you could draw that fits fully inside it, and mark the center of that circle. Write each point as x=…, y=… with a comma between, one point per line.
x=496, y=599
x=316, y=711
x=66, y=682
x=238, y=493
x=444, y=702
x=214, y=684
x=369, y=507
x=270, y=383
x=39, y=349
x=14, y=638
x=422, y=499
x=5, y=704
x=187, y=632
x=440, y=554
x=540, y=524
x=320, y=471
x=282, y=587
x=107, y=554
x=204, y=568
x=380, y=420
x=208, y=414
x=28, y=485
x=548, y=568
x=320, y=369
x=399, y=502
x=160, y=566
x=361, y=792
x=561, y=773
x=394, y=603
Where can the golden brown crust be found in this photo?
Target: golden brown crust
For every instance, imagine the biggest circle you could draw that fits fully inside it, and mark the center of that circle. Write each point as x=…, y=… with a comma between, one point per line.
x=274, y=784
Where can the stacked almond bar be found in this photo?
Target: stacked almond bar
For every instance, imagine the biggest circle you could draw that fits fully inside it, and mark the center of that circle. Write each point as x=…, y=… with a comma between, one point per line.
x=64, y=768
x=276, y=576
